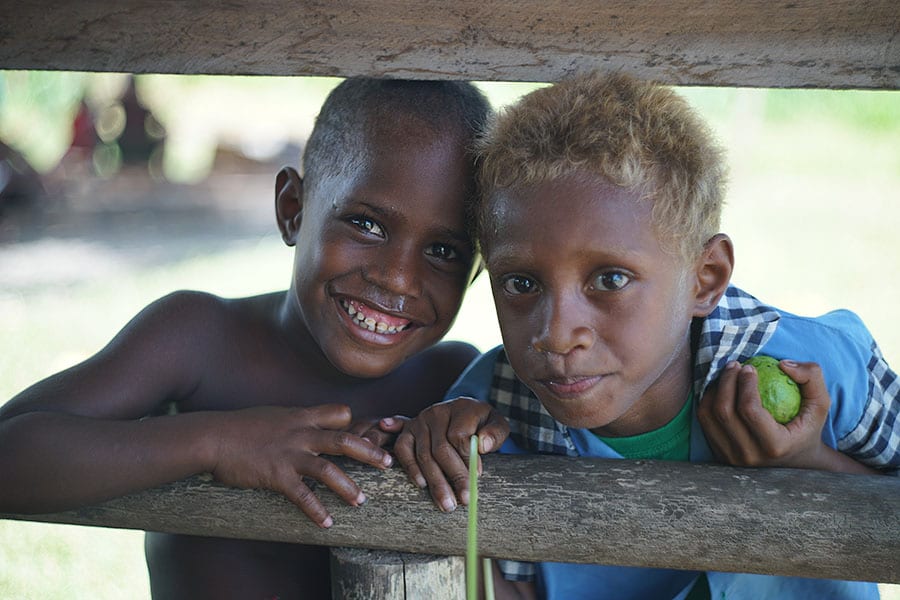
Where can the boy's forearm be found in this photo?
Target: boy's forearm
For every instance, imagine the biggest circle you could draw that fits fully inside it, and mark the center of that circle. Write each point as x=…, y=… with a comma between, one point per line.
x=838, y=462
x=53, y=461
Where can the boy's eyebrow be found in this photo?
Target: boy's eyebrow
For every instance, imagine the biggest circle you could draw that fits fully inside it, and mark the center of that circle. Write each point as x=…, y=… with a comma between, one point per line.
x=387, y=212
x=501, y=256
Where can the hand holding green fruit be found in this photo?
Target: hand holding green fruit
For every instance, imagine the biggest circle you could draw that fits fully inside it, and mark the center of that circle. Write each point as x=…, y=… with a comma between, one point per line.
x=740, y=427
x=779, y=393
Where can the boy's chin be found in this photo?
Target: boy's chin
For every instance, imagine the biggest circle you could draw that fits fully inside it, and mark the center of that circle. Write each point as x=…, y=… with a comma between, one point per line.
x=366, y=366
x=571, y=416
x=366, y=363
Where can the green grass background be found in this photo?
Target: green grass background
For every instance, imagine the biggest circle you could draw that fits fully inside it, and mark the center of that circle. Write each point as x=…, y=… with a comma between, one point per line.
x=813, y=210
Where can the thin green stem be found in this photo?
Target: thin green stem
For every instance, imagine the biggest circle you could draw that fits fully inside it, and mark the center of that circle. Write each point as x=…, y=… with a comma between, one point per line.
x=472, y=537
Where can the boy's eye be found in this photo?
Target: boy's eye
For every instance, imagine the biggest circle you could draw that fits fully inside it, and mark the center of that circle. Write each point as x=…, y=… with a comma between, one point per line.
x=519, y=284
x=610, y=281
x=443, y=252
x=368, y=225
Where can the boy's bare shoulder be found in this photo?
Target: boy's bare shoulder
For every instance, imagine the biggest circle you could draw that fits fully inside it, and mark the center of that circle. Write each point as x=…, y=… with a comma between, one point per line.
x=197, y=315
x=452, y=356
x=162, y=354
x=183, y=335
x=201, y=327
x=183, y=347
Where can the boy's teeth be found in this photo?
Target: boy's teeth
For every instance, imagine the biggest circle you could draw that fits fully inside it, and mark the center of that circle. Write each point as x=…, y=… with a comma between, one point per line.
x=370, y=323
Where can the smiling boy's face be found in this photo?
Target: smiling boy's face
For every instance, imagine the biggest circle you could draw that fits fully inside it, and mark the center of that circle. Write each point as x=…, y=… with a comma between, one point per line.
x=595, y=314
x=381, y=264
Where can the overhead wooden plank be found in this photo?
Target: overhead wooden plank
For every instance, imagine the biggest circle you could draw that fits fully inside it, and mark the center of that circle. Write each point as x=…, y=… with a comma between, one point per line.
x=641, y=513
x=802, y=43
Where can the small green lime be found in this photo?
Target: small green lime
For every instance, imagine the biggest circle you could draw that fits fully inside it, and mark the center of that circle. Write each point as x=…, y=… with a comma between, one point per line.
x=779, y=393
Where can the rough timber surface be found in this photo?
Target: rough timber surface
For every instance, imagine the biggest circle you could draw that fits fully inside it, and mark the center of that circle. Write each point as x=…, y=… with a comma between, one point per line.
x=640, y=513
x=803, y=43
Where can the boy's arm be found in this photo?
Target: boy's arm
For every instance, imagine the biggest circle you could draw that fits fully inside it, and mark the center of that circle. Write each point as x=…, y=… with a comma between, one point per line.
x=82, y=436
x=75, y=436
x=742, y=433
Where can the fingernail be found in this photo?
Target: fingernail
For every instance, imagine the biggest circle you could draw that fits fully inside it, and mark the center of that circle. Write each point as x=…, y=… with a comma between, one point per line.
x=361, y=499
x=487, y=443
x=387, y=460
x=388, y=421
x=328, y=522
x=464, y=497
x=448, y=505
x=791, y=363
x=732, y=364
x=420, y=481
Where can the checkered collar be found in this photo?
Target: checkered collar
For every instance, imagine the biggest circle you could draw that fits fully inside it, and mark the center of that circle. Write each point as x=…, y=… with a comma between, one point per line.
x=738, y=327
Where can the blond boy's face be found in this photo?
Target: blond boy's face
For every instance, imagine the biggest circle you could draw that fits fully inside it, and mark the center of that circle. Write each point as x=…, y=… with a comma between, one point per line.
x=595, y=315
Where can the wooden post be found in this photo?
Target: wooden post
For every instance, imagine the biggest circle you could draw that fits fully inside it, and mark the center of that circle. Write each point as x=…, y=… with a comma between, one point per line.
x=361, y=574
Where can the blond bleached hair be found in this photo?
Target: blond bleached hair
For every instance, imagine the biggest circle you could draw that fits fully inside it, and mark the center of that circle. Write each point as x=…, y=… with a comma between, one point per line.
x=636, y=134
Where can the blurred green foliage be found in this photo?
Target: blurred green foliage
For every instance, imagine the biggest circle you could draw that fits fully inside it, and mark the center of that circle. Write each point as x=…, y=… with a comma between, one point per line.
x=36, y=111
x=202, y=112
x=858, y=109
x=862, y=109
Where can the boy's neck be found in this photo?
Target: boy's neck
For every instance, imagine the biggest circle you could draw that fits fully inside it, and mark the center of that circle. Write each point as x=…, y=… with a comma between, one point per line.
x=660, y=403
x=296, y=336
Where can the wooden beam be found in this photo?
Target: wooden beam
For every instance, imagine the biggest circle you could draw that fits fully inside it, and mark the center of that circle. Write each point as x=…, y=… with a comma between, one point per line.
x=803, y=43
x=640, y=513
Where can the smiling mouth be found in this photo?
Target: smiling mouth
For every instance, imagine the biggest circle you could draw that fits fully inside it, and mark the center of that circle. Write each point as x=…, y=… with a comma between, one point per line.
x=366, y=317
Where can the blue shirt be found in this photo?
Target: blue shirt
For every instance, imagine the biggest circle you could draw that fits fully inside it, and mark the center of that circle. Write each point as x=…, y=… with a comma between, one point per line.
x=863, y=423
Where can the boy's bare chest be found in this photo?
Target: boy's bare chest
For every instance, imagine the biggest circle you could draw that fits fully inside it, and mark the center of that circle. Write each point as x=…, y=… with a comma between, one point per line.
x=250, y=363
x=266, y=380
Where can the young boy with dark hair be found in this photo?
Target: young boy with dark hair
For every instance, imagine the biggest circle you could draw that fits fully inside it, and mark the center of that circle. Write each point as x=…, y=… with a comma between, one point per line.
x=257, y=390
x=598, y=224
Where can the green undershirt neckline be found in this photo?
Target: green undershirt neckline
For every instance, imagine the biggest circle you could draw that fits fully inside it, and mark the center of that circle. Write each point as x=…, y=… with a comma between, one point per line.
x=672, y=441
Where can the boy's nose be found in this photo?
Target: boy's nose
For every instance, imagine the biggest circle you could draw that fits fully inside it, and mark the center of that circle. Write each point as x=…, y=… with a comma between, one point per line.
x=566, y=326
x=395, y=270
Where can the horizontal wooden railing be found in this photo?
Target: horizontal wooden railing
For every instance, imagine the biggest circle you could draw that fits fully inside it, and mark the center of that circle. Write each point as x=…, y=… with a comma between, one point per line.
x=639, y=513
x=804, y=43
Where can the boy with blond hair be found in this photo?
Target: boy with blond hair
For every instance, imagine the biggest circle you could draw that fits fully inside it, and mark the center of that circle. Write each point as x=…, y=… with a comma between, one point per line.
x=623, y=337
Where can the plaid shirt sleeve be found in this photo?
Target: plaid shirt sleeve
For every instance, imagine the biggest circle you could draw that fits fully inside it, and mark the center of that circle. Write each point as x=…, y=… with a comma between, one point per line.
x=875, y=441
x=514, y=570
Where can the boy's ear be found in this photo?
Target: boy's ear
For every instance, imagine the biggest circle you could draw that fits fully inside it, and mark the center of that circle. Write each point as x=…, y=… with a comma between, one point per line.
x=288, y=204
x=714, y=268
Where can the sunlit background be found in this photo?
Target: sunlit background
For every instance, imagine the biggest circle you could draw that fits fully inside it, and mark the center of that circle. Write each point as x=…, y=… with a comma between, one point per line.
x=813, y=210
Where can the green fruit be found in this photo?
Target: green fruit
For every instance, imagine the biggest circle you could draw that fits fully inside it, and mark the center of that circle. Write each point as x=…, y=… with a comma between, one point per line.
x=779, y=393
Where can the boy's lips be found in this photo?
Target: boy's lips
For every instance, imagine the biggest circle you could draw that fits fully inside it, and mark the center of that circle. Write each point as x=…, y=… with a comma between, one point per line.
x=372, y=319
x=570, y=386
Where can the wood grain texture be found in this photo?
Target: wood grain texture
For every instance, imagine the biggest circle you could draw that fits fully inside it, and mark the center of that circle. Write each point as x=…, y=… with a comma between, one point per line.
x=802, y=43
x=361, y=574
x=640, y=513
